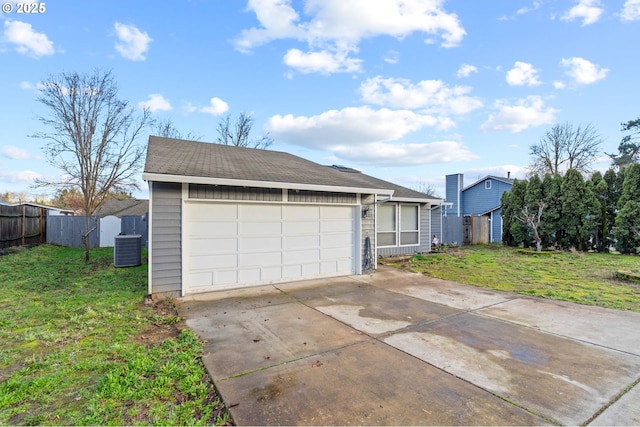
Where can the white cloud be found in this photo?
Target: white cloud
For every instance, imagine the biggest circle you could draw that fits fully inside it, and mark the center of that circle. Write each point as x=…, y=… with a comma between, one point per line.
x=523, y=74
x=630, y=11
x=589, y=11
x=26, y=40
x=525, y=113
x=216, y=107
x=504, y=171
x=350, y=126
x=15, y=153
x=336, y=27
x=466, y=70
x=401, y=154
x=559, y=85
x=392, y=57
x=583, y=71
x=132, y=43
x=14, y=177
x=156, y=102
x=323, y=62
x=523, y=10
x=432, y=96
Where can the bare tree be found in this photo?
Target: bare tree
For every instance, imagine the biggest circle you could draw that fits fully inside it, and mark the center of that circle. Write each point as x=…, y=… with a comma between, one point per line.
x=533, y=221
x=239, y=134
x=92, y=138
x=564, y=147
x=167, y=129
x=425, y=187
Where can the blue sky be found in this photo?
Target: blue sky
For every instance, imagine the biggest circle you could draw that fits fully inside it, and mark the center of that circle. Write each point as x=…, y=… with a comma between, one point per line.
x=404, y=90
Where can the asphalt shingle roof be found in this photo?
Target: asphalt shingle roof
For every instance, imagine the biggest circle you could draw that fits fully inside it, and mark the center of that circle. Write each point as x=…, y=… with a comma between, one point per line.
x=122, y=207
x=168, y=156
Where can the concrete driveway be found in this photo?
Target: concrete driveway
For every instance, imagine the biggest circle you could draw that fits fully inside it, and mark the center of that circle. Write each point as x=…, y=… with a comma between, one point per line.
x=398, y=348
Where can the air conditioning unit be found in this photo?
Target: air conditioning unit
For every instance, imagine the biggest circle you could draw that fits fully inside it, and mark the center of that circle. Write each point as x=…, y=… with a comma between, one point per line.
x=127, y=250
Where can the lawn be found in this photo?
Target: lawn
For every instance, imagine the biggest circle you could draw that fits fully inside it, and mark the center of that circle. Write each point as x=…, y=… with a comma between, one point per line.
x=585, y=278
x=81, y=345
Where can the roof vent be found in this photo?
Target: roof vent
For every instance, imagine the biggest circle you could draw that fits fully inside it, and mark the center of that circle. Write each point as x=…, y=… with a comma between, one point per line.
x=345, y=169
x=127, y=250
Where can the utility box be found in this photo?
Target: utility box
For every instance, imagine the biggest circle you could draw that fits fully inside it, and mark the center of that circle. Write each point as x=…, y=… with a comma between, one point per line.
x=127, y=250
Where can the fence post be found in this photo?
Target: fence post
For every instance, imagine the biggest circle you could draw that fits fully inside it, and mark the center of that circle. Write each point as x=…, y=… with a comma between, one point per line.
x=24, y=212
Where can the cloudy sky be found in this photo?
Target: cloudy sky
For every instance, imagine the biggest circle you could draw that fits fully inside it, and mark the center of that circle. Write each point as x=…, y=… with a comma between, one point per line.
x=405, y=90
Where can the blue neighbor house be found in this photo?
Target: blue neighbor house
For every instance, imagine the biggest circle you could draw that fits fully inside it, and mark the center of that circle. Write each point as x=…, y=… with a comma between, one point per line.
x=482, y=198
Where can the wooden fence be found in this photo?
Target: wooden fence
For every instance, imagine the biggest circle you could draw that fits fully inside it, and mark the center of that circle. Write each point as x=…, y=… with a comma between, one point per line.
x=68, y=230
x=22, y=225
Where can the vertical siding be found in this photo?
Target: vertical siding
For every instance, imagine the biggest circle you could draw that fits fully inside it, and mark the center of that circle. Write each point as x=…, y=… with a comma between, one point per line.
x=368, y=224
x=308, y=196
x=425, y=228
x=497, y=226
x=453, y=188
x=452, y=230
x=226, y=192
x=166, y=237
x=436, y=223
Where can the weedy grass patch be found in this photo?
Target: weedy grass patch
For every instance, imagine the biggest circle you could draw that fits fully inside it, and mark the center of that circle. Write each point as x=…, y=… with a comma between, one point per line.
x=585, y=278
x=82, y=346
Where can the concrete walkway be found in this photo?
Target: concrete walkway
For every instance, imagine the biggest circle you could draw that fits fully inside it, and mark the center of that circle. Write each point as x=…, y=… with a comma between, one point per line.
x=398, y=348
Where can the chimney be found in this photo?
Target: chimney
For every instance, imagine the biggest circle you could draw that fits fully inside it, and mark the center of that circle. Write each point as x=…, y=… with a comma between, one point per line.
x=508, y=175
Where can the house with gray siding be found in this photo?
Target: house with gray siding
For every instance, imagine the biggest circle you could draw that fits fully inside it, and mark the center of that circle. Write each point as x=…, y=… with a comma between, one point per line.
x=481, y=198
x=223, y=217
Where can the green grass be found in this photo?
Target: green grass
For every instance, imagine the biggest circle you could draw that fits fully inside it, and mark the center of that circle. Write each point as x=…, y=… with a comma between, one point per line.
x=585, y=278
x=81, y=347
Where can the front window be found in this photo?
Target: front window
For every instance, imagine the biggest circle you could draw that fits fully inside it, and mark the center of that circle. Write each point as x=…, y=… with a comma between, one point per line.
x=386, y=225
x=409, y=225
x=393, y=218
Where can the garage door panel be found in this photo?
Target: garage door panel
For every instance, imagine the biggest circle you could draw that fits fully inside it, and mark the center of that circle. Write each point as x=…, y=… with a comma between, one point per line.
x=249, y=275
x=260, y=228
x=225, y=277
x=339, y=226
x=344, y=266
x=301, y=212
x=335, y=253
x=229, y=245
x=328, y=267
x=250, y=212
x=311, y=269
x=301, y=242
x=302, y=227
x=259, y=259
x=204, y=211
x=336, y=212
x=213, y=245
x=300, y=256
x=271, y=274
x=206, y=262
x=259, y=244
x=336, y=240
x=213, y=229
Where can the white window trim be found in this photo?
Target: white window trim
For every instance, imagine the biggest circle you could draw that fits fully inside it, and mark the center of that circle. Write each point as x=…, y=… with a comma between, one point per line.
x=398, y=229
x=487, y=184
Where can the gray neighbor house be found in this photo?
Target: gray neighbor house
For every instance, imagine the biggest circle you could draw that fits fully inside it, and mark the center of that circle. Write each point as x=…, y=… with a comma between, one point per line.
x=223, y=217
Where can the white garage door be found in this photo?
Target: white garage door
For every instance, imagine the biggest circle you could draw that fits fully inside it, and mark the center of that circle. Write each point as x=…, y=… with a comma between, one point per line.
x=228, y=245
